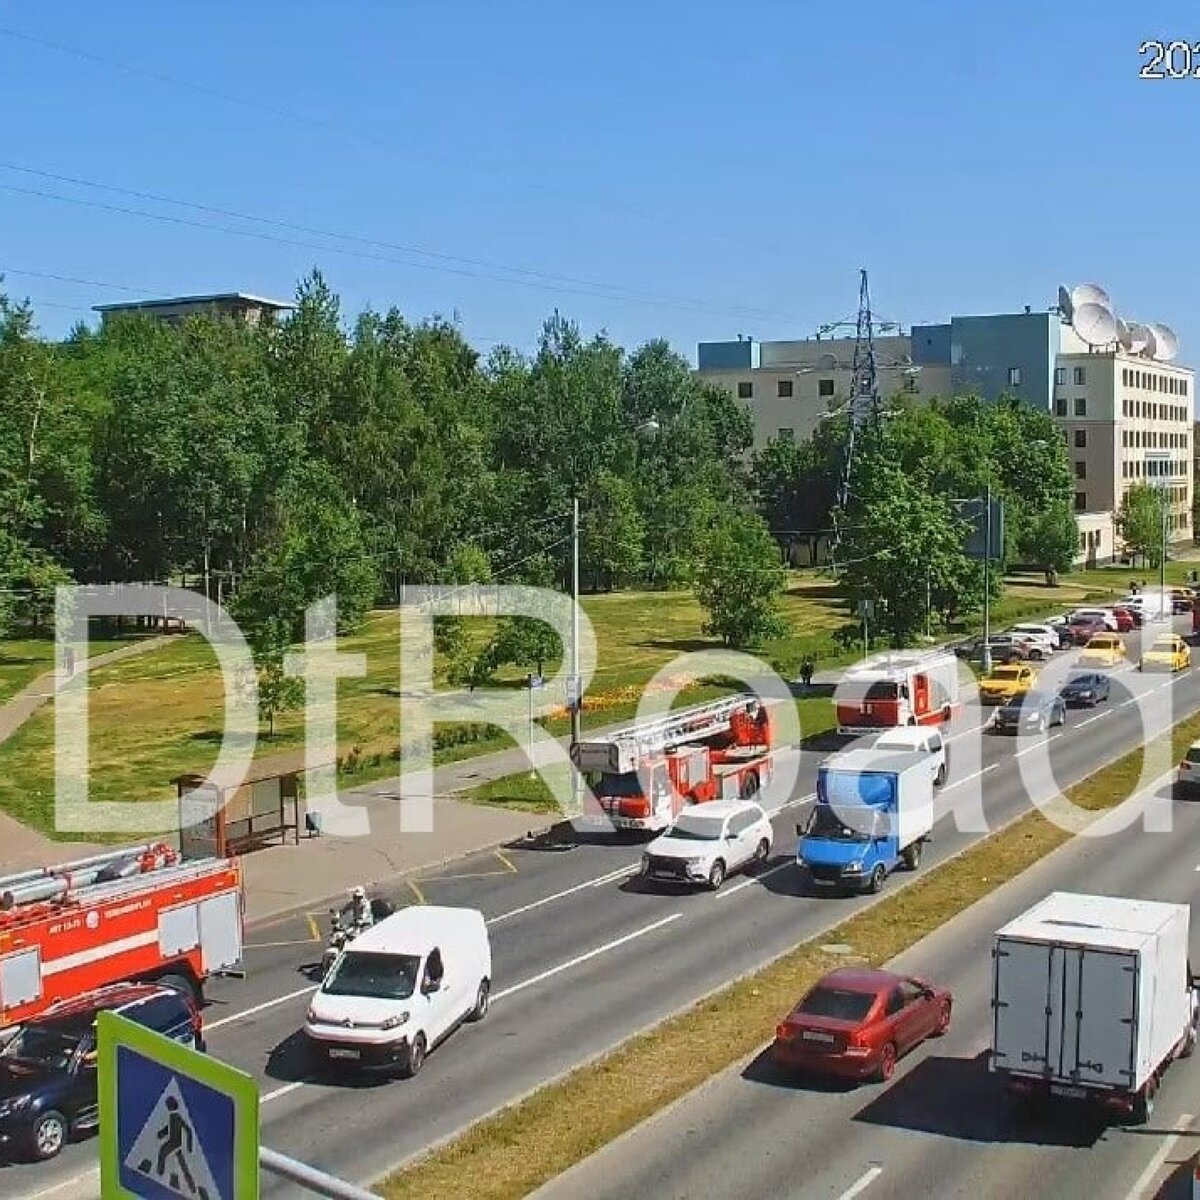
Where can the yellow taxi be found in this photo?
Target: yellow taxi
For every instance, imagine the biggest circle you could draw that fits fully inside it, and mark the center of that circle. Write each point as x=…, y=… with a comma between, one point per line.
x=1005, y=683
x=1103, y=650
x=1167, y=653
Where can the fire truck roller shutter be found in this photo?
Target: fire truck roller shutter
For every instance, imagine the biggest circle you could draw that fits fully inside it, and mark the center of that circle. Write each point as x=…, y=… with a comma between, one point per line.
x=20, y=978
x=178, y=930
x=221, y=931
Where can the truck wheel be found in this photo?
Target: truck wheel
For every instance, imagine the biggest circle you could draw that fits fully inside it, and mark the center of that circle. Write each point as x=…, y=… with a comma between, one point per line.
x=716, y=876
x=877, y=877
x=912, y=856
x=181, y=984
x=1189, y=1041
x=483, y=999
x=750, y=786
x=1143, y=1102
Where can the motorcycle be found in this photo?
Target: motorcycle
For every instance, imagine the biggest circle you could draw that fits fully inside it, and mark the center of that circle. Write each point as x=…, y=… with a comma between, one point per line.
x=343, y=929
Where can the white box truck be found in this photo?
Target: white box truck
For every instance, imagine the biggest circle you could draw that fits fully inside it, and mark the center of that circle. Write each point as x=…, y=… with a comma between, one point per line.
x=1092, y=999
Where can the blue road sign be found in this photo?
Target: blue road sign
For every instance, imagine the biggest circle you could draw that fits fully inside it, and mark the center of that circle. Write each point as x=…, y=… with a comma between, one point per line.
x=173, y=1122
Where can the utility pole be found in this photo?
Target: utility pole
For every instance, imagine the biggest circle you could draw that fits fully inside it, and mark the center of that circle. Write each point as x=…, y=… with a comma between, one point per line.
x=986, y=657
x=576, y=690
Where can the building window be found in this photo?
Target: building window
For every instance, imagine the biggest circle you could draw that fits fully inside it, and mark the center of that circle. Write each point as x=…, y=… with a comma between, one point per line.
x=1080, y=439
x=1080, y=376
x=1081, y=406
x=745, y=390
x=1183, y=382
x=1060, y=376
x=1014, y=376
x=785, y=389
x=824, y=387
x=786, y=434
x=1125, y=376
x=1081, y=501
x=1060, y=407
x=1080, y=469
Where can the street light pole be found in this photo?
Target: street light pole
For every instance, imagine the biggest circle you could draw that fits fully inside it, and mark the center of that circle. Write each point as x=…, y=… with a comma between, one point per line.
x=575, y=684
x=986, y=657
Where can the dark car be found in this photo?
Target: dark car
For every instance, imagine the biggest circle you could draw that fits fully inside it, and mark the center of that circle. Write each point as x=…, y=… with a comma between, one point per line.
x=1086, y=690
x=48, y=1071
x=1034, y=712
x=858, y=1021
x=1005, y=648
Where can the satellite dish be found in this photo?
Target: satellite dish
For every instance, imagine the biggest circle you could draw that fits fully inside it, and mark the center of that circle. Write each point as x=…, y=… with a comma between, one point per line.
x=1089, y=293
x=1150, y=349
x=1166, y=342
x=1123, y=334
x=827, y=362
x=1095, y=323
x=1064, y=303
x=1139, y=338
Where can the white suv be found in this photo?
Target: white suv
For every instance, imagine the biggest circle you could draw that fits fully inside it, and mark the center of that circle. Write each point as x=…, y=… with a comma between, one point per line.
x=709, y=841
x=918, y=739
x=1041, y=636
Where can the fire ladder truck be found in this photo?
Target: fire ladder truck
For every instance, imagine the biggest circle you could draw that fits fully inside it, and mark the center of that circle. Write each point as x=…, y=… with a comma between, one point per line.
x=134, y=914
x=644, y=775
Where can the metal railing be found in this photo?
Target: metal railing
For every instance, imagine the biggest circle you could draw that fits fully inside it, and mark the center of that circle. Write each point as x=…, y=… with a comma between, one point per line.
x=309, y=1178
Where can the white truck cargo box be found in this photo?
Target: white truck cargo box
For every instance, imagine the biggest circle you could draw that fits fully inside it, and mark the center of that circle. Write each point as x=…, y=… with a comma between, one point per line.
x=1091, y=991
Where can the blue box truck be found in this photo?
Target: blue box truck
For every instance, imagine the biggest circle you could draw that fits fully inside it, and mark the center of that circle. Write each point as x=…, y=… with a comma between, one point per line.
x=874, y=812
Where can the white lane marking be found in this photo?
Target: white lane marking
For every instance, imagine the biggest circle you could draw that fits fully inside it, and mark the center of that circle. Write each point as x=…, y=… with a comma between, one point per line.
x=1037, y=745
x=1098, y=717
x=579, y=959
x=209, y=1026
x=795, y=802
x=608, y=877
x=963, y=732
x=279, y=1092
x=861, y=1184
x=745, y=883
x=1146, y=1179
x=968, y=778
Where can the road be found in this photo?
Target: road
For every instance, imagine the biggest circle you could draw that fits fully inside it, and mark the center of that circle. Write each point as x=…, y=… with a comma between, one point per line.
x=584, y=957
x=941, y=1127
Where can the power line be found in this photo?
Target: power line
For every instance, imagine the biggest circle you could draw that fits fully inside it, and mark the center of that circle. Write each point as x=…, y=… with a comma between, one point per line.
x=619, y=292
x=346, y=252
x=259, y=108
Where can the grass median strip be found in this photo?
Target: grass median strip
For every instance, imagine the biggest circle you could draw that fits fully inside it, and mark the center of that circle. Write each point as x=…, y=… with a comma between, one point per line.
x=524, y=1146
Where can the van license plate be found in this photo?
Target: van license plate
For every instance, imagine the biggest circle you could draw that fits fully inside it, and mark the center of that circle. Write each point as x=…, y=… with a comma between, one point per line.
x=339, y=1053
x=1071, y=1093
x=812, y=1036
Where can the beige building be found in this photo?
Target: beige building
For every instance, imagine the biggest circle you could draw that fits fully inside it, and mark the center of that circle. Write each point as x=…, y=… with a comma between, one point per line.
x=791, y=386
x=240, y=305
x=1127, y=420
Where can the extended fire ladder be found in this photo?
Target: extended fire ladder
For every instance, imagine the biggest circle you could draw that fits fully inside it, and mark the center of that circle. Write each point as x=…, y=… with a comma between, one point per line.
x=623, y=749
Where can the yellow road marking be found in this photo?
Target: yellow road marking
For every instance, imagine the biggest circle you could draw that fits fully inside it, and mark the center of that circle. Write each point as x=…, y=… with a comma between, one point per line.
x=416, y=891
x=313, y=927
x=507, y=861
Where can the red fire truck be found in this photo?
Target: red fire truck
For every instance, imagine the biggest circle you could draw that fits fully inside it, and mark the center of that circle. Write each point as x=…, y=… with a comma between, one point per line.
x=135, y=914
x=643, y=775
x=898, y=689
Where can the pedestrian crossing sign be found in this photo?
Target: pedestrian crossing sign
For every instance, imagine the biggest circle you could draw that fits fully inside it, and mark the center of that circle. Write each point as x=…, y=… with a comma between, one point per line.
x=174, y=1123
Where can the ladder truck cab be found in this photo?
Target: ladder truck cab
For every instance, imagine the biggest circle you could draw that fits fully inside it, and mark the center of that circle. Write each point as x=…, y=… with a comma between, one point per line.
x=645, y=774
x=899, y=689
x=138, y=914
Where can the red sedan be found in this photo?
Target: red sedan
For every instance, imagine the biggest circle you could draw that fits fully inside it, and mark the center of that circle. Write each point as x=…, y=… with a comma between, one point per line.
x=1125, y=620
x=858, y=1021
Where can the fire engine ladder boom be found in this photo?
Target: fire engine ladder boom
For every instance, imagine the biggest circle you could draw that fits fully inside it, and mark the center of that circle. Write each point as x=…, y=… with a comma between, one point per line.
x=83, y=877
x=685, y=725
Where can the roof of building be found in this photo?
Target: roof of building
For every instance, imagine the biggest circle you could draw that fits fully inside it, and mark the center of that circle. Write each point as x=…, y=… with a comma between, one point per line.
x=214, y=298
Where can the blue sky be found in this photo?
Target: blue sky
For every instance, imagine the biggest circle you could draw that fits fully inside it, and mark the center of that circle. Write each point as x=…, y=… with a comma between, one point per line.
x=732, y=165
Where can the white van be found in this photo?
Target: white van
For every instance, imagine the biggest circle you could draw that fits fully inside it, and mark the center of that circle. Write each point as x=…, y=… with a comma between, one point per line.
x=918, y=739
x=400, y=988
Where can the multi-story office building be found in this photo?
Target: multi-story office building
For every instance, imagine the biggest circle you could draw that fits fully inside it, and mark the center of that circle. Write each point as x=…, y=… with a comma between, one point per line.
x=1126, y=418
x=242, y=306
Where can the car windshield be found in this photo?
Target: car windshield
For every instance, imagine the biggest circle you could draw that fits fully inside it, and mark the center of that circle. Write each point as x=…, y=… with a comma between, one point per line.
x=619, y=785
x=695, y=829
x=839, y=1003
x=1163, y=647
x=1081, y=681
x=1193, y=754
x=1102, y=643
x=1007, y=673
x=375, y=976
x=825, y=823
x=47, y=1044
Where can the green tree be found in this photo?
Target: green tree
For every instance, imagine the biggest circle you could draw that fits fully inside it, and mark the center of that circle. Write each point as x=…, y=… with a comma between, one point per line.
x=1139, y=523
x=613, y=534
x=1051, y=540
x=740, y=581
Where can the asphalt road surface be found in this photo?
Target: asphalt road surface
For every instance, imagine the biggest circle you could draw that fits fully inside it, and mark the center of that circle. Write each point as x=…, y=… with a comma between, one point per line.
x=584, y=956
x=941, y=1127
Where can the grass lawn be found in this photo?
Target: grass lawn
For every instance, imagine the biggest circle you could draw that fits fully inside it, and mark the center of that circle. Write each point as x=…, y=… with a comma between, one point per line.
x=522, y=1147
x=22, y=660
x=158, y=716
